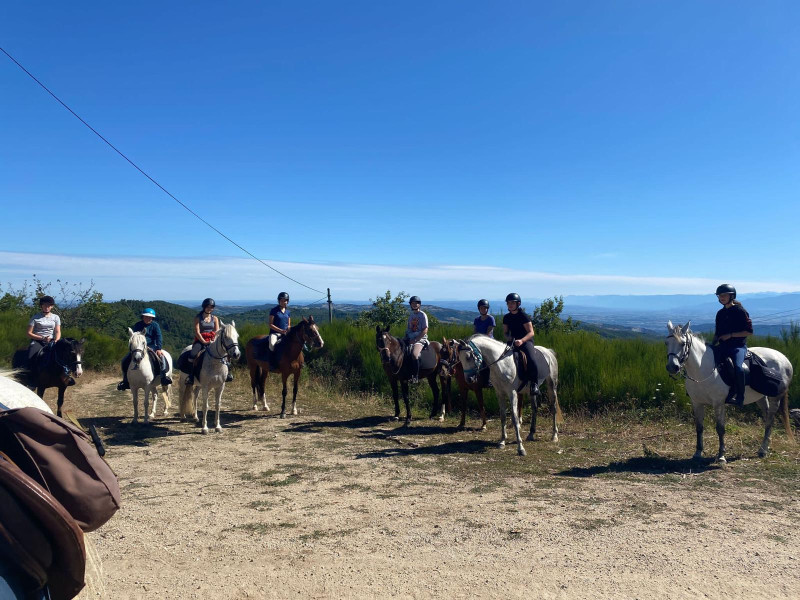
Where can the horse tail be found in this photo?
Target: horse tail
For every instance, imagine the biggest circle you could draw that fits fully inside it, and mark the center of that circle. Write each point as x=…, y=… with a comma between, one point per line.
x=256, y=384
x=786, y=423
x=559, y=414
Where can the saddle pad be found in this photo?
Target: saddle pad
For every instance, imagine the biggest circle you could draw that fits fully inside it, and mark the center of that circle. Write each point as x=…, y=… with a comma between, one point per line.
x=428, y=359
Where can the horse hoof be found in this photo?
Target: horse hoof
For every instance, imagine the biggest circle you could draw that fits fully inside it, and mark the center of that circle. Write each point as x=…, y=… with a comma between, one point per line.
x=218, y=429
x=283, y=415
x=255, y=407
x=205, y=430
x=266, y=408
x=554, y=438
x=407, y=423
x=722, y=460
x=395, y=418
x=761, y=453
x=501, y=444
x=294, y=411
x=483, y=427
x=441, y=418
x=530, y=438
x=521, y=451
x=697, y=456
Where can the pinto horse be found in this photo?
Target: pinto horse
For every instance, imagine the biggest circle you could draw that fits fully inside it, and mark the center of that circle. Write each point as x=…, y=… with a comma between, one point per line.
x=290, y=351
x=54, y=367
x=393, y=352
x=449, y=354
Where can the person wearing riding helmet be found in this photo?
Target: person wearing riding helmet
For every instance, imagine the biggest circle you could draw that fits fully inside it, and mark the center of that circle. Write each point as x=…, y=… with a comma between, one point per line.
x=485, y=323
x=733, y=325
x=518, y=329
x=416, y=334
x=280, y=320
x=44, y=327
x=152, y=333
x=206, y=326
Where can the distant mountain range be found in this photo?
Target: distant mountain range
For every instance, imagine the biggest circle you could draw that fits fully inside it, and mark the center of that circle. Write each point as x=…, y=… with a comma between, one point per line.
x=611, y=316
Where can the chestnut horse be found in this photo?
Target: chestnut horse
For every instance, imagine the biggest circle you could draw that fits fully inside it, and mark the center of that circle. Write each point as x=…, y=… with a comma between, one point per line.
x=449, y=354
x=54, y=367
x=393, y=352
x=290, y=350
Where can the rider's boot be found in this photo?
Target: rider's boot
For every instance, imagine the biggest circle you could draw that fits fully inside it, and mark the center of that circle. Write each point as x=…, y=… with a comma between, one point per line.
x=414, y=370
x=124, y=385
x=739, y=386
x=229, y=378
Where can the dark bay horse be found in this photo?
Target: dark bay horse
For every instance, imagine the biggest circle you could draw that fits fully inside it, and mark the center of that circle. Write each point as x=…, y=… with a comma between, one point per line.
x=54, y=367
x=393, y=353
x=290, y=351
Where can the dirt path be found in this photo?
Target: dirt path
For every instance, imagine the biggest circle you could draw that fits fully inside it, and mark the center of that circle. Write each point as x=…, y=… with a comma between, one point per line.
x=345, y=505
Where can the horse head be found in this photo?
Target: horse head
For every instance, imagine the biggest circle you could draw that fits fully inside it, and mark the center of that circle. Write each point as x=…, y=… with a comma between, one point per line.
x=137, y=345
x=67, y=355
x=310, y=333
x=228, y=338
x=387, y=345
x=470, y=360
x=678, y=342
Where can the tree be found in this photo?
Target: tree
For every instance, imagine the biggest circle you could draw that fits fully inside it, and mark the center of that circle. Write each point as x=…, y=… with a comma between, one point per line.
x=547, y=316
x=385, y=311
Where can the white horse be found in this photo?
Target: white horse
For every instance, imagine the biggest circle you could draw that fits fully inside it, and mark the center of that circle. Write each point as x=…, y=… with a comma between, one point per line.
x=704, y=385
x=15, y=395
x=212, y=374
x=141, y=376
x=497, y=357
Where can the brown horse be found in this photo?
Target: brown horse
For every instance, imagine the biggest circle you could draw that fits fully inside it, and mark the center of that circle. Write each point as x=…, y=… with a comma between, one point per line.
x=54, y=367
x=290, y=361
x=449, y=355
x=393, y=352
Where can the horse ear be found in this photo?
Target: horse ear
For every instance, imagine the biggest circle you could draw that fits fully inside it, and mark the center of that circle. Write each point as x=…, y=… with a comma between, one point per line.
x=444, y=339
x=305, y=320
x=378, y=329
x=670, y=326
x=685, y=328
x=233, y=324
x=130, y=331
x=82, y=341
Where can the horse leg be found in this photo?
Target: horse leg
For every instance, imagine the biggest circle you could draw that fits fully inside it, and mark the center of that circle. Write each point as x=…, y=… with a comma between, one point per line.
x=205, y=392
x=404, y=386
x=534, y=411
x=463, y=393
x=135, y=394
x=154, y=389
x=146, y=403
x=195, y=391
x=295, y=379
x=262, y=388
x=699, y=416
x=284, y=377
x=396, y=398
x=515, y=419
x=60, y=402
x=552, y=395
x=435, y=389
x=166, y=389
x=501, y=403
x=218, y=426
x=481, y=407
x=719, y=413
x=768, y=411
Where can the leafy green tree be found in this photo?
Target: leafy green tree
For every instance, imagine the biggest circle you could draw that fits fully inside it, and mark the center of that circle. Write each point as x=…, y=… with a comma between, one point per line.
x=386, y=311
x=547, y=317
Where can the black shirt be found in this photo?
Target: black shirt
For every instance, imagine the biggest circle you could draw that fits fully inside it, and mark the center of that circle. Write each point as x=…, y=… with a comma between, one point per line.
x=732, y=320
x=516, y=324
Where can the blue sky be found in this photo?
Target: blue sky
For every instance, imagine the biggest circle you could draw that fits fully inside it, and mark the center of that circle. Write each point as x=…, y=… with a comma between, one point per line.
x=451, y=148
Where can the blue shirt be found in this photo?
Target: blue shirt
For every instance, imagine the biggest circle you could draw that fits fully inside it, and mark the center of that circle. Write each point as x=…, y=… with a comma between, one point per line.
x=152, y=333
x=279, y=319
x=483, y=325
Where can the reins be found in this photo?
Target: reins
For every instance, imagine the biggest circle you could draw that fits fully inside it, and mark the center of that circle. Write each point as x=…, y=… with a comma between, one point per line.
x=226, y=347
x=479, y=357
x=683, y=357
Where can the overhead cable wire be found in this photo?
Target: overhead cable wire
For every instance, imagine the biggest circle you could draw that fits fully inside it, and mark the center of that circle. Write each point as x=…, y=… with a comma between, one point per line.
x=162, y=188
x=771, y=315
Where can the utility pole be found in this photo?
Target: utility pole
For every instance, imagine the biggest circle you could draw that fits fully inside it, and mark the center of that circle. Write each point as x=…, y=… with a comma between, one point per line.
x=330, y=307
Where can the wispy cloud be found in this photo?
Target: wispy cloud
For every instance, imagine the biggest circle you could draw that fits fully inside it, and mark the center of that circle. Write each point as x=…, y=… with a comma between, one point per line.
x=240, y=279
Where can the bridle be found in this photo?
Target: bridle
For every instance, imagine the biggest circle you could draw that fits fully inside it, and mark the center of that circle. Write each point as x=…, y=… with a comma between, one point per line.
x=227, y=347
x=683, y=356
x=382, y=347
x=478, y=358
x=70, y=366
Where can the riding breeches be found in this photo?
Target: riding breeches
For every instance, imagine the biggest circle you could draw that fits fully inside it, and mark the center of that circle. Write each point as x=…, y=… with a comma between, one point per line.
x=274, y=338
x=529, y=350
x=196, y=348
x=34, y=349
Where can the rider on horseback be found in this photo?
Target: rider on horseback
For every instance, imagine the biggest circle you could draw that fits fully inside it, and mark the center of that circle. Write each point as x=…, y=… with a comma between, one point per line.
x=280, y=321
x=416, y=334
x=44, y=328
x=206, y=326
x=733, y=325
x=518, y=329
x=485, y=323
x=152, y=332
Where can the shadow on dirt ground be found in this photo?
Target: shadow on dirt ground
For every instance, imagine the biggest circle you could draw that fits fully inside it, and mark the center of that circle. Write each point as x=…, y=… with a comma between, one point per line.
x=646, y=465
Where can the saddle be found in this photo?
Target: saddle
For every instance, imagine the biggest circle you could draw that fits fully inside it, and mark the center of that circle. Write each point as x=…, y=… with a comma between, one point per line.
x=757, y=375
x=38, y=537
x=191, y=368
x=155, y=362
x=427, y=358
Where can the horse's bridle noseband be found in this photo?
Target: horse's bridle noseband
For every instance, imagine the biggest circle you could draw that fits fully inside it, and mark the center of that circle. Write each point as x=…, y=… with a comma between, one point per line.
x=69, y=367
x=683, y=356
x=226, y=347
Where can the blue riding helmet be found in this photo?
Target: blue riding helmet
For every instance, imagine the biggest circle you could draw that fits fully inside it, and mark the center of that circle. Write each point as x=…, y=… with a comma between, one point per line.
x=149, y=312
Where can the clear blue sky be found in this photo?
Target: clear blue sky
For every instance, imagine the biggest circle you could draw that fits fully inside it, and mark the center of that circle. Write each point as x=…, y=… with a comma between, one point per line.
x=581, y=147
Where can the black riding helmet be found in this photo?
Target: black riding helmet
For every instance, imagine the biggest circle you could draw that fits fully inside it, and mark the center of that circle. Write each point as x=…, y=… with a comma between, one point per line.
x=209, y=302
x=513, y=297
x=283, y=295
x=46, y=300
x=414, y=299
x=727, y=288
x=483, y=302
